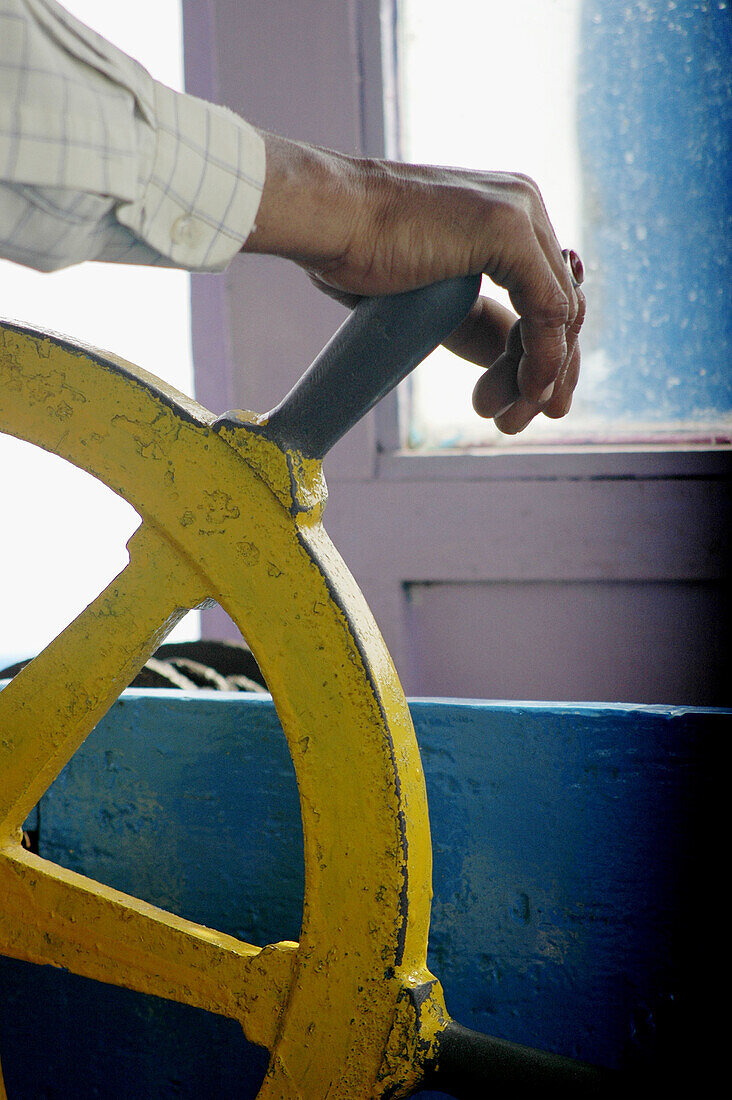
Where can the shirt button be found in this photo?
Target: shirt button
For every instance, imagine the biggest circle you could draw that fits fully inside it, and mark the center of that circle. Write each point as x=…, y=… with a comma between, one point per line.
x=185, y=230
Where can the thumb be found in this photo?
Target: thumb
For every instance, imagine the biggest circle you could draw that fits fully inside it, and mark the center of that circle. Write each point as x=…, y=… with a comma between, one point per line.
x=342, y=296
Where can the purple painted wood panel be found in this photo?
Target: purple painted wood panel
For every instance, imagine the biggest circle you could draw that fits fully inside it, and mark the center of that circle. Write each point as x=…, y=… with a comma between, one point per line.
x=581, y=641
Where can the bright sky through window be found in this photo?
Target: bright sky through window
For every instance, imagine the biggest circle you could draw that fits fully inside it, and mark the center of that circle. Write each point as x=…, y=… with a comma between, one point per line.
x=64, y=533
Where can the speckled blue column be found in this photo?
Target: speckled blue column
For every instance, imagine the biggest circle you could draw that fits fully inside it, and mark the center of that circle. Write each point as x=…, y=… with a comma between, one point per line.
x=655, y=121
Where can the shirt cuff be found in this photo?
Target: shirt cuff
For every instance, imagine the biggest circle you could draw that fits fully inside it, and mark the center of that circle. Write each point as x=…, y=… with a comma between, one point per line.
x=201, y=186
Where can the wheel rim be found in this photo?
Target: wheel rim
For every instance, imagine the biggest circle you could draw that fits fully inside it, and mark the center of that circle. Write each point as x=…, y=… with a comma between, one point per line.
x=350, y=1011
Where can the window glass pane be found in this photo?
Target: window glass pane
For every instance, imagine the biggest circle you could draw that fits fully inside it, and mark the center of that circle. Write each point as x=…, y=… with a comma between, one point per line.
x=64, y=534
x=622, y=113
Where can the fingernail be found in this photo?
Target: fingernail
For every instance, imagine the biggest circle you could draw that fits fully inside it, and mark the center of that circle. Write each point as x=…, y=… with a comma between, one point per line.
x=545, y=395
x=578, y=270
x=502, y=411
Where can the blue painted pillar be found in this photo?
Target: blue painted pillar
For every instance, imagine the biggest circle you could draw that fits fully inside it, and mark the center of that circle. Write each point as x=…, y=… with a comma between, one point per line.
x=655, y=118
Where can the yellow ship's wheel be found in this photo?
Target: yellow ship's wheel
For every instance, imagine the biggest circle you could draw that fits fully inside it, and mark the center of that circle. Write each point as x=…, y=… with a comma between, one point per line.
x=231, y=511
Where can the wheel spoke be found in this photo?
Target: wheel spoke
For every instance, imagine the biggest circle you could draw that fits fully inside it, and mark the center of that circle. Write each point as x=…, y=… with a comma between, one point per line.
x=56, y=700
x=52, y=915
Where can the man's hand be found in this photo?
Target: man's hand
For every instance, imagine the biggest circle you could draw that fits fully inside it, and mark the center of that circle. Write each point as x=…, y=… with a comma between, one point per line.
x=376, y=227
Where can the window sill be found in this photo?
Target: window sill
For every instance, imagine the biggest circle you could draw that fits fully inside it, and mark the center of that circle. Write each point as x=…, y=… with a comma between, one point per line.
x=558, y=463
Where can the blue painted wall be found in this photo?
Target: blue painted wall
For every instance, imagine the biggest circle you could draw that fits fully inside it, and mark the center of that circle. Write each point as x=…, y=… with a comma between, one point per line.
x=575, y=878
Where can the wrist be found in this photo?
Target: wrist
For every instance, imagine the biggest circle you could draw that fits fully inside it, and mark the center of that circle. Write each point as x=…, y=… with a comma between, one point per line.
x=309, y=206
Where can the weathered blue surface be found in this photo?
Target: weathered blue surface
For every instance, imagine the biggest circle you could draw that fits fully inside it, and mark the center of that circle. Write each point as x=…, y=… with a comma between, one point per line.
x=574, y=870
x=655, y=123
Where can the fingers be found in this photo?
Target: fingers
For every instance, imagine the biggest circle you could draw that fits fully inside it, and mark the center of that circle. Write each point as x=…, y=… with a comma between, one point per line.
x=560, y=402
x=491, y=337
x=541, y=285
x=548, y=370
x=517, y=417
x=483, y=335
x=548, y=325
x=345, y=299
x=547, y=308
x=497, y=390
x=497, y=394
x=544, y=342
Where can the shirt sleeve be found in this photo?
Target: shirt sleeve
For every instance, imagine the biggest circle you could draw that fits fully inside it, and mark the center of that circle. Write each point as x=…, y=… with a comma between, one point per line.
x=100, y=161
x=199, y=200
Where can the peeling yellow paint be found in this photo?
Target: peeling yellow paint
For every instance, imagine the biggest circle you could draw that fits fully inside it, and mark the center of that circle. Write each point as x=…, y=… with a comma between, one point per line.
x=351, y=1011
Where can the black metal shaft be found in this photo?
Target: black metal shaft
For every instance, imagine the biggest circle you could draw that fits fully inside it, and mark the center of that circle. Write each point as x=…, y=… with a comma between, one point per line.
x=471, y=1066
x=374, y=349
